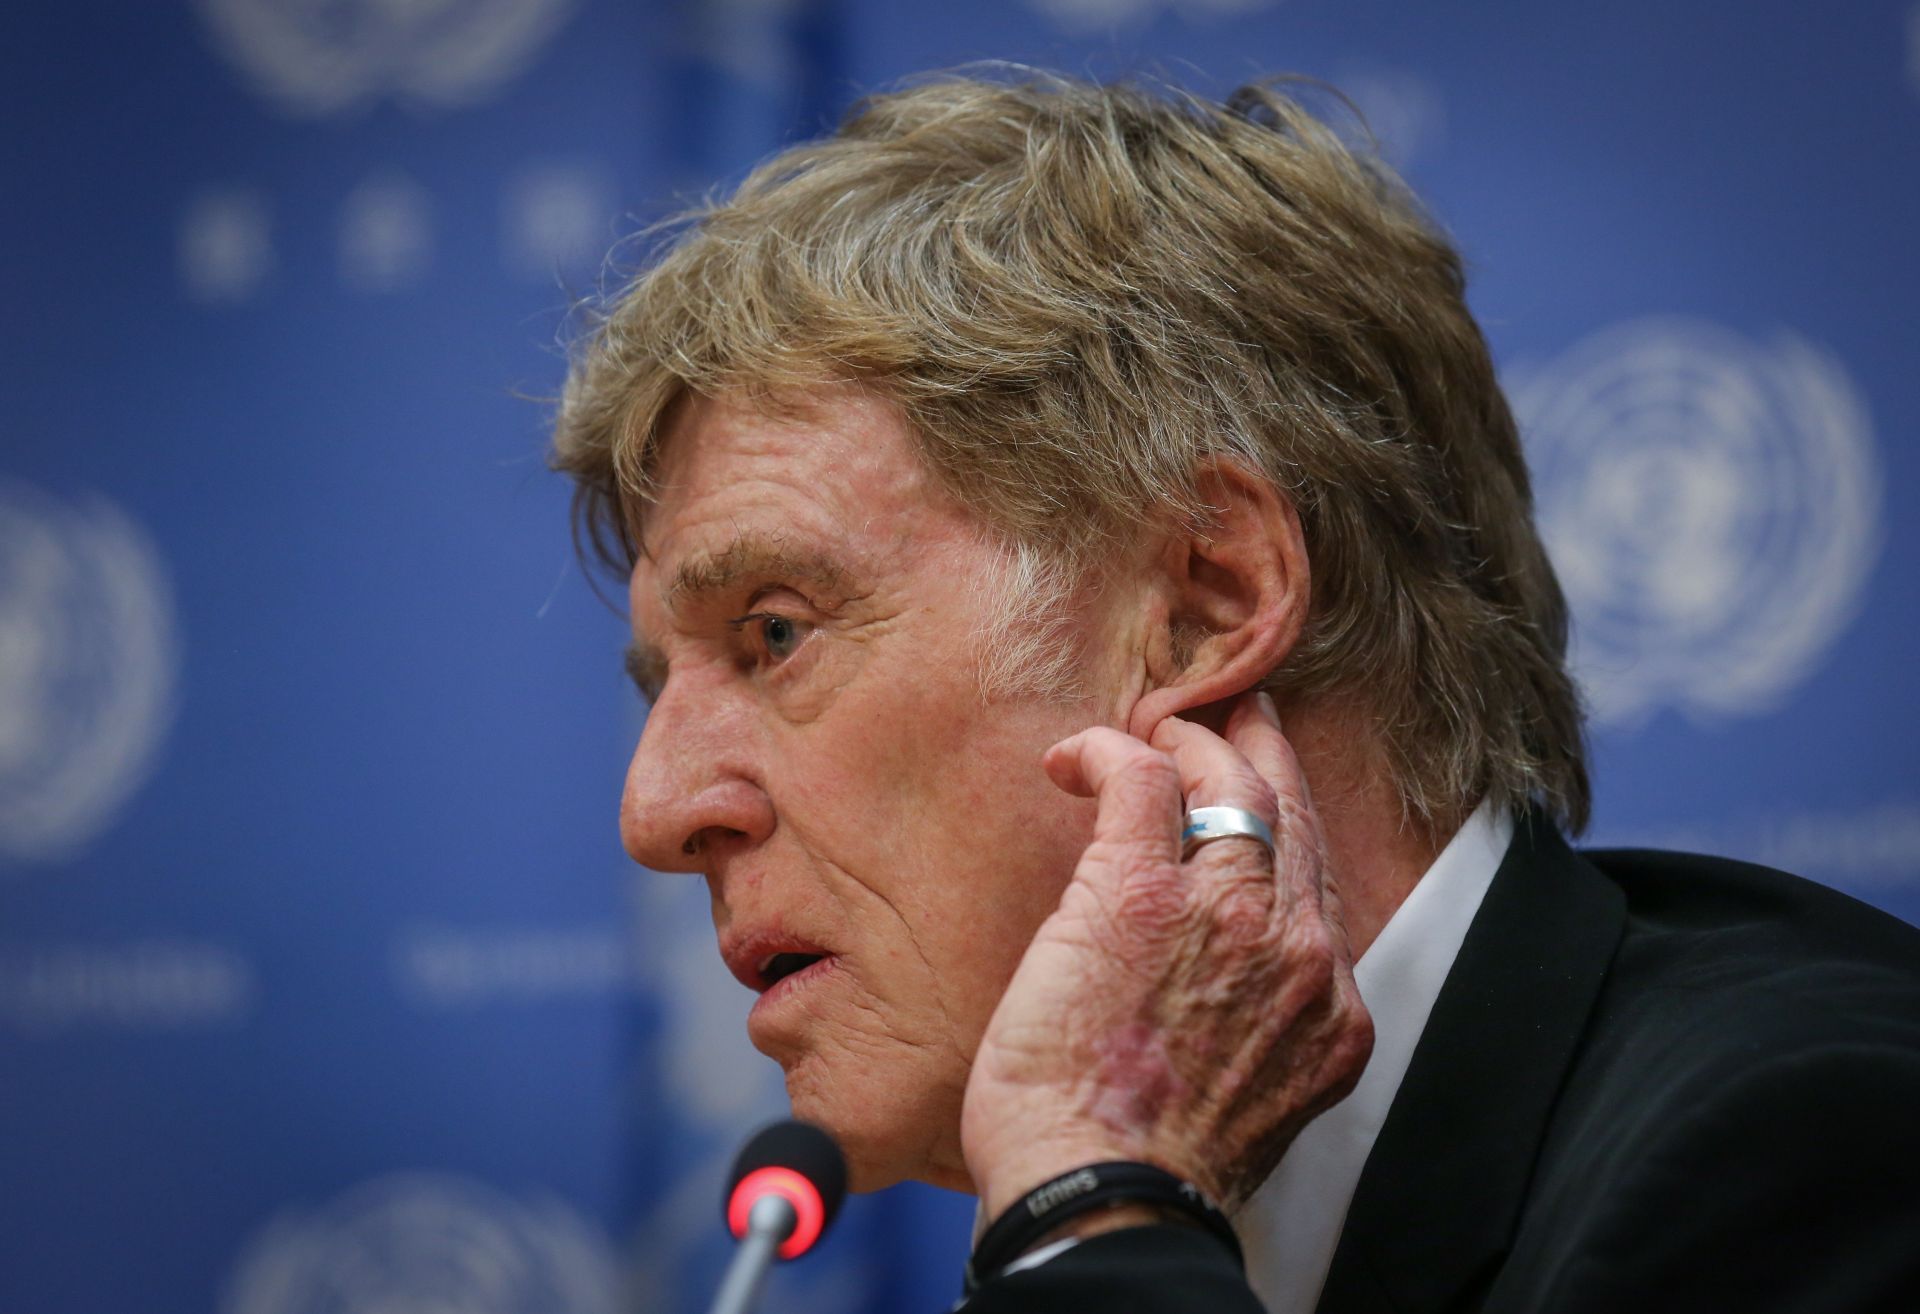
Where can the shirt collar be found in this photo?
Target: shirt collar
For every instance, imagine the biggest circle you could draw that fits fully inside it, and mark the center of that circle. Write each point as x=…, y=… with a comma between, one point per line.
x=1292, y=1224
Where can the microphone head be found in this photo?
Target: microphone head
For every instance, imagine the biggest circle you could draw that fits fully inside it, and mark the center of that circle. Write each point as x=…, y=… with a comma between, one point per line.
x=796, y=1160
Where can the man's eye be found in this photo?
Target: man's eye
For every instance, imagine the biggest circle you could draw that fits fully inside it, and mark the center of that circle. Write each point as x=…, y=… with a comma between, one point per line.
x=782, y=636
x=779, y=635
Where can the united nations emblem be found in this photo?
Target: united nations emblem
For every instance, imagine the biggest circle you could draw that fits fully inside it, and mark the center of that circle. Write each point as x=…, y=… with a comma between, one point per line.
x=1712, y=506
x=88, y=661
x=320, y=57
x=426, y=1244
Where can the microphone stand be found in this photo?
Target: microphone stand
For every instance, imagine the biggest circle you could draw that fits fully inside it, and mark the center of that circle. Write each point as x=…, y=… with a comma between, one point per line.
x=770, y=1221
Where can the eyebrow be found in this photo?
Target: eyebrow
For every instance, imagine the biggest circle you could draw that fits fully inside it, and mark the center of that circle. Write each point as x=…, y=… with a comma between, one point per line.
x=752, y=556
x=756, y=558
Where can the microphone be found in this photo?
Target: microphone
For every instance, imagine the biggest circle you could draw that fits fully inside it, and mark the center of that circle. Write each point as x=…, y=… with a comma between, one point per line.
x=786, y=1187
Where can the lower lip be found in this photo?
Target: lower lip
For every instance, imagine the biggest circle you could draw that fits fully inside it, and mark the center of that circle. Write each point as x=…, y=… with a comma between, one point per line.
x=787, y=987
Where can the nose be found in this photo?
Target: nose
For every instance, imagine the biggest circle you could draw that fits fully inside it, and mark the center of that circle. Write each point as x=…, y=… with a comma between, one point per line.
x=691, y=787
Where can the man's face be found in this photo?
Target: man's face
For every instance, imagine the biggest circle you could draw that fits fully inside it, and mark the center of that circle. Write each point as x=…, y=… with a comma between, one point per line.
x=819, y=751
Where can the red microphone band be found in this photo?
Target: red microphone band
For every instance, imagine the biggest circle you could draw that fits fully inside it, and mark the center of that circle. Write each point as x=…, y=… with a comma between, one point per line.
x=809, y=1209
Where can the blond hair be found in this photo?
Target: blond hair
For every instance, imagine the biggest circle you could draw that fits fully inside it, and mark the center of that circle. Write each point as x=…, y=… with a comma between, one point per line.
x=1078, y=295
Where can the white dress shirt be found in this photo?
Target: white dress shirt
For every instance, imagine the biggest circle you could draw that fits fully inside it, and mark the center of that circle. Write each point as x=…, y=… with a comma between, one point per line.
x=1292, y=1224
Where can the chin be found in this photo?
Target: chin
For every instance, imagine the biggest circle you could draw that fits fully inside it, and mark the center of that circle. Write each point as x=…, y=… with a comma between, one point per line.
x=890, y=1133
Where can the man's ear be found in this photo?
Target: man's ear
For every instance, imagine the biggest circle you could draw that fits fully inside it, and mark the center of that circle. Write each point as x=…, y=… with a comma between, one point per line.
x=1236, y=596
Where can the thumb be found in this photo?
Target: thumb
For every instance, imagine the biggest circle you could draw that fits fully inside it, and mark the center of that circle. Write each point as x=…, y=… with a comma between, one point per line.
x=1138, y=789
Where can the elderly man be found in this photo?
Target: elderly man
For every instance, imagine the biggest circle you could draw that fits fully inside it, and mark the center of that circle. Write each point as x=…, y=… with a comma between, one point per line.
x=1103, y=665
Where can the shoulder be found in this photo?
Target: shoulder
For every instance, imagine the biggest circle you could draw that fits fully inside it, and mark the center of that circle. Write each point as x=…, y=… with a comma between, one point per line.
x=1712, y=946
x=1678, y=892
x=1725, y=970
x=1742, y=1121
x=1784, y=1179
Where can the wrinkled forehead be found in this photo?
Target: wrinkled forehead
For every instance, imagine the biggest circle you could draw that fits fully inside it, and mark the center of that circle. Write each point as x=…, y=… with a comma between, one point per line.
x=829, y=488
x=702, y=443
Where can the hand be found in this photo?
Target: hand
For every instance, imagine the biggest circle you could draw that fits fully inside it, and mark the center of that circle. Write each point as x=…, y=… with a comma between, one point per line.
x=1193, y=1015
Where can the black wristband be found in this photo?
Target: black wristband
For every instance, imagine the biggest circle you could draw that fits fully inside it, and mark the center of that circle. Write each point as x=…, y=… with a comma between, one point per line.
x=1096, y=1186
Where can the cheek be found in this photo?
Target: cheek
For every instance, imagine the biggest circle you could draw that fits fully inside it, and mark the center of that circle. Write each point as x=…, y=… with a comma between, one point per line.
x=1000, y=843
x=940, y=839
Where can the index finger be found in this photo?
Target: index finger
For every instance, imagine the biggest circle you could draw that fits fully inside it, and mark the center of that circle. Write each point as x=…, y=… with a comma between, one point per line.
x=1137, y=788
x=1253, y=727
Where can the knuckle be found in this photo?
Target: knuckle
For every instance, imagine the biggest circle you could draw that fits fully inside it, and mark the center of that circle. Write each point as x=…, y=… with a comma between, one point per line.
x=1137, y=893
x=1260, y=794
x=1296, y=818
x=1243, y=909
x=1352, y=1014
x=1165, y=733
x=1315, y=964
x=1240, y=787
x=1148, y=779
x=1353, y=1046
x=1150, y=765
x=1357, y=1031
x=1152, y=905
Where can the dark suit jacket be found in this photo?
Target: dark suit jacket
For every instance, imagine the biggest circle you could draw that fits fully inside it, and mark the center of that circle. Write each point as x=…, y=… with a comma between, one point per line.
x=1651, y=1082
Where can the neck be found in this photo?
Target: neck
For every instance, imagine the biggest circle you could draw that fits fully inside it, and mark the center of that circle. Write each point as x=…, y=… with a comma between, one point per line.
x=1378, y=853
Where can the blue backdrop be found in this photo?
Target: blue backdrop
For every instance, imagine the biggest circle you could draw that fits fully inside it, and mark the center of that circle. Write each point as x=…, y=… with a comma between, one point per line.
x=324, y=985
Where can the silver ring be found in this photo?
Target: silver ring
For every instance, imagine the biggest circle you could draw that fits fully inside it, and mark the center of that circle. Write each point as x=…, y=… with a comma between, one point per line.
x=1204, y=825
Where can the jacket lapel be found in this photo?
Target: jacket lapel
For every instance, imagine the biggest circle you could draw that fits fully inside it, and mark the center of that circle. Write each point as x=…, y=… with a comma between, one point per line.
x=1438, y=1199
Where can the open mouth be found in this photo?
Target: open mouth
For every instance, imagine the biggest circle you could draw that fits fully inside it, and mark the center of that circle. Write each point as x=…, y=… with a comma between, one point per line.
x=780, y=966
